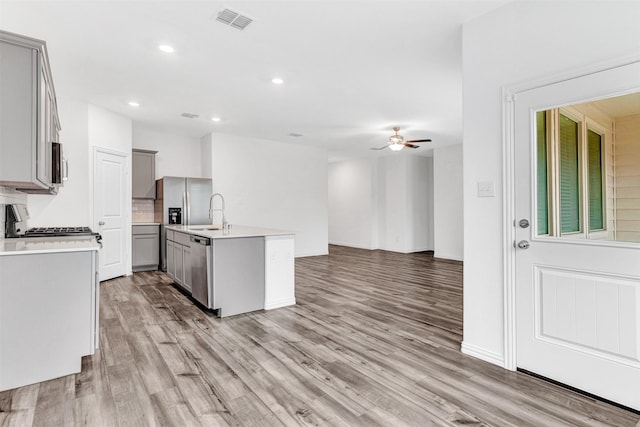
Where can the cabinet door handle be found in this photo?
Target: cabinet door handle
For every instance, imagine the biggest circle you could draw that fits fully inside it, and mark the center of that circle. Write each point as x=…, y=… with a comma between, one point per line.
x=65, y=170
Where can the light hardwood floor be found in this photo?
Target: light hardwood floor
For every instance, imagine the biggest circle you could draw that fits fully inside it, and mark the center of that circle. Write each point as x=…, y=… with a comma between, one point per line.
x=374, y=341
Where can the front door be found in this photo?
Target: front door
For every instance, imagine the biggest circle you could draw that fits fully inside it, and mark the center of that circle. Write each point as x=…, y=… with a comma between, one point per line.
x=110, y=211
x=577, y=279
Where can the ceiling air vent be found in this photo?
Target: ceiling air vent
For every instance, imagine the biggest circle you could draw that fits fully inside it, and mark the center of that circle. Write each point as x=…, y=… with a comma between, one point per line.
x=295, y=135
x=234, y=19
x=189, y=115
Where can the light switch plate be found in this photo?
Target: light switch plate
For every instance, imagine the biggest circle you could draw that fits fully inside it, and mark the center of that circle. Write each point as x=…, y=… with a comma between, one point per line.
x=485, y=189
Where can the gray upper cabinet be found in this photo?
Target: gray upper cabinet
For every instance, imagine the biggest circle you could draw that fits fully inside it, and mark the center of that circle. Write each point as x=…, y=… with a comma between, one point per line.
x=29, y=122
x=144, y=174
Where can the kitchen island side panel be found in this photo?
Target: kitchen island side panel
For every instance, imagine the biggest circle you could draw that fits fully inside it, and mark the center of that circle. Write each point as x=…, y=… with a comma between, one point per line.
x=46, y=316
x=238, y=275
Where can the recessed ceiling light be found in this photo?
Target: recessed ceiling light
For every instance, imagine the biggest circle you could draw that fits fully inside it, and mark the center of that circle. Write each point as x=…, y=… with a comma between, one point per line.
x=166, y=48
x=133, y=104
x=215, y=119
x=277, y=81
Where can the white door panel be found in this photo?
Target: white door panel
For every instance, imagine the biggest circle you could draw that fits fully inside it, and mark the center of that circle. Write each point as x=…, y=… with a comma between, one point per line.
x=577, y=301
x=110, y=196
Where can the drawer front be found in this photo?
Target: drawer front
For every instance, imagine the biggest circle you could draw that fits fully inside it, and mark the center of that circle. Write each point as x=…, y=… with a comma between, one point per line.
x=183, y=239
x=171, y=235
x=145, y=229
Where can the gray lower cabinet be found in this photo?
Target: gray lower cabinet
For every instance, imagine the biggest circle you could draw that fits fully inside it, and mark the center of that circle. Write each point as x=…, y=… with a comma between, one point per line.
x=171, y=260
x=49, y=315
x=146, y=247
x=179, y=258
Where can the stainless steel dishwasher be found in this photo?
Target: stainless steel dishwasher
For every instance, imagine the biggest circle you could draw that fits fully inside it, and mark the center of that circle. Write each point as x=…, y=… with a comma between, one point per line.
x=200, y=270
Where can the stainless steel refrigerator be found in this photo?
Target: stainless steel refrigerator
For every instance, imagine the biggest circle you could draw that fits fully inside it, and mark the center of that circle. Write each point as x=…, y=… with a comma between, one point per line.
x=183, y=201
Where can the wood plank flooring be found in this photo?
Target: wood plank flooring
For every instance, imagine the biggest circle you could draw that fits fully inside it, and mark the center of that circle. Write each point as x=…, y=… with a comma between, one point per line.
x=373, y=341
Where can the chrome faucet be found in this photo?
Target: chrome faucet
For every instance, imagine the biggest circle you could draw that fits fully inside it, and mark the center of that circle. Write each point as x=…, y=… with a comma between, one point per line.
x=225, y=225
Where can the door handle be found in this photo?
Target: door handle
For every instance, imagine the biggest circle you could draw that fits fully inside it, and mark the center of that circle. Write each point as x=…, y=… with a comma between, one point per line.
x=101, y=223
x=523, y=244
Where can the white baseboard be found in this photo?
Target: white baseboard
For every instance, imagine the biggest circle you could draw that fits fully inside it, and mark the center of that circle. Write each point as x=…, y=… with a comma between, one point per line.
x=447, y=256
x=351, y=245
x=420, y=249
x=481, y=353
x=278, y=304
x=306, y=254
x=404, y=251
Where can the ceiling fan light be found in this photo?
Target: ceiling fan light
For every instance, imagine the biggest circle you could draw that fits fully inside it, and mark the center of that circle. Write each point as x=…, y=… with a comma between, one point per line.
x=396, y=139
x=396, y=147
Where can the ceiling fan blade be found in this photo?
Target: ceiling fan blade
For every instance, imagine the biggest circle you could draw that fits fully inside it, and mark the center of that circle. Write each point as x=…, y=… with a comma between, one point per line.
x=411, y=145
x=415, y=141
x=381, y=148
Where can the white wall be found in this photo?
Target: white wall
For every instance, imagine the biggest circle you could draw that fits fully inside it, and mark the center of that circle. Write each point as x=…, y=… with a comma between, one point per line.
x=72, y=206
x=382, y=203
x=352, y=203
x=419, y=203
x=275, y=185
x=447, y=197
x=508, y=46
x=177, y=155
x=392, y=199
x=113, y=132
x=205, y=155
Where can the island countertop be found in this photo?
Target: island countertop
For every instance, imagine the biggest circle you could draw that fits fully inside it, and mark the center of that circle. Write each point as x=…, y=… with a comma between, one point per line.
x=236, y=231
x=42, y=245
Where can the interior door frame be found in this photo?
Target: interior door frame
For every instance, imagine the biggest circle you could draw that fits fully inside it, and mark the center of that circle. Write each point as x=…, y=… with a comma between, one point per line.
x=127, y=200
x=509, y=95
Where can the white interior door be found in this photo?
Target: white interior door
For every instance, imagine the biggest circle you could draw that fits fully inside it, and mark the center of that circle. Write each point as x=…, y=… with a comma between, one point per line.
x=577, y=299
x=110, y=211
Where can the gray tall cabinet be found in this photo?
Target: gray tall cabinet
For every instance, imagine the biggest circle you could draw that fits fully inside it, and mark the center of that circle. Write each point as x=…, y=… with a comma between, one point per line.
x=29, y=122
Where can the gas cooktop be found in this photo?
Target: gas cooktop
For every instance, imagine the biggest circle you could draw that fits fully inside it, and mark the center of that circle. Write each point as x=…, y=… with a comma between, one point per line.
x=58, y=231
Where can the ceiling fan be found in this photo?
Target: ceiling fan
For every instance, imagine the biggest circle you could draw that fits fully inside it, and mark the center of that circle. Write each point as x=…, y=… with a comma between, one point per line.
x=397, y=142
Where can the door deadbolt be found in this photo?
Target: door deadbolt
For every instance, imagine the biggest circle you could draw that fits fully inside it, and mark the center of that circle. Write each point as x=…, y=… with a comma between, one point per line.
x=523, y=244
x=523, y=223
x=101, y=223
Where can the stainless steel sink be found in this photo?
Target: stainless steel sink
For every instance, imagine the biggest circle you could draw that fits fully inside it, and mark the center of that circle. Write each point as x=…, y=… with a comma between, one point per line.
x=206, y=227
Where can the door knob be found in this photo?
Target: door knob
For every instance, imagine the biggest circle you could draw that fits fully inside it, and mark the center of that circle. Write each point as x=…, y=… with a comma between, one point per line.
x=101, y=223
x=523, y=244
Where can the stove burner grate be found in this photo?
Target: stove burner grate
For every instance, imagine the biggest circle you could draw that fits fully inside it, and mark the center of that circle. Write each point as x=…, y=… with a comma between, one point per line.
x=58, y=231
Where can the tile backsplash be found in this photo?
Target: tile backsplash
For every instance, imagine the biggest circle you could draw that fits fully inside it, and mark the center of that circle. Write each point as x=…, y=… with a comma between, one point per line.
x=141, y=210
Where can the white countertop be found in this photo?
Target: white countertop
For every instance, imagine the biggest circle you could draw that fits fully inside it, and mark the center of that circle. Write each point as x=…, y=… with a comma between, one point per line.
x=42, y=245
x=236, y=231
x=145, y=223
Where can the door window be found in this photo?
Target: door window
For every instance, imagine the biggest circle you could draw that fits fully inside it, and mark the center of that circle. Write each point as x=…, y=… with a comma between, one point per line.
x=588, y=170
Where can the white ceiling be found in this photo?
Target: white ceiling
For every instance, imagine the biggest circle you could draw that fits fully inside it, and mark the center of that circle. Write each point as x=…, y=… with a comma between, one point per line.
x=352, y=69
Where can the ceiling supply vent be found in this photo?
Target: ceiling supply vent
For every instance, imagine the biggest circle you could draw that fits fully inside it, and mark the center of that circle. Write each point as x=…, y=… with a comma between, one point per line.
x=190, y=115
x=295, y=135
x=234, y=19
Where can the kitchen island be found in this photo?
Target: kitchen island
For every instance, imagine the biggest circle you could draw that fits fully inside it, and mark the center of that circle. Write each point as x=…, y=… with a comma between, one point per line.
x=234, y=272
x=49, y=296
